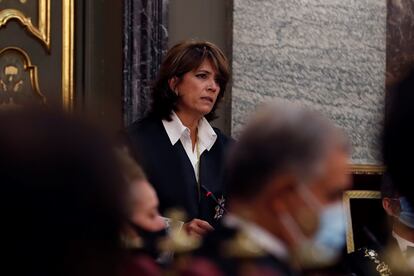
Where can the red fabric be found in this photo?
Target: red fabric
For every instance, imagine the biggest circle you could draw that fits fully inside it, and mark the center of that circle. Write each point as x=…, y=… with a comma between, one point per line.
x=140, y=265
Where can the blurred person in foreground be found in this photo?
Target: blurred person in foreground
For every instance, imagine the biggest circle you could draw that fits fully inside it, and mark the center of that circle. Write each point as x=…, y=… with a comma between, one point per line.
x=398, y=136
x=285, y=179
x=62, y=196
x=144, y=228
x=178, y=148
x=395, y=256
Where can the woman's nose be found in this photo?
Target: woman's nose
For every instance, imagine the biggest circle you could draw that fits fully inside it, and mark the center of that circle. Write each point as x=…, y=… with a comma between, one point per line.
x=213, y=86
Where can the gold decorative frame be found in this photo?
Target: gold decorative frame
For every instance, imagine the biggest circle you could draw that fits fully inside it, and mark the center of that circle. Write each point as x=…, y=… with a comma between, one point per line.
x=42, y=31
x=68, y=12
x=28, y=66
x=367, y=169
x=346, y=200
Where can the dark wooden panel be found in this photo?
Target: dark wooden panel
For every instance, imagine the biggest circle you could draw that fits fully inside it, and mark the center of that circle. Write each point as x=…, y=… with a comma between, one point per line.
x=102, y=62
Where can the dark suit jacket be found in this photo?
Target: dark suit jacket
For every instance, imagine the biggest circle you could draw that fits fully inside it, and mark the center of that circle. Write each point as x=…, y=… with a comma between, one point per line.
x=220, y=254
x=171, y=173
x=360, y=263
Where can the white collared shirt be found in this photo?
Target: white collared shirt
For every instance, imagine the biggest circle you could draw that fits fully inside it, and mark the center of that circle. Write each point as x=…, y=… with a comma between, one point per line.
x=177, y=131
x=258, y=235
x=402, y=243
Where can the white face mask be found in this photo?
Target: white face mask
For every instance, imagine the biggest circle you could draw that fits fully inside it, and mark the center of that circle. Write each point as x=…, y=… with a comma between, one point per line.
x=325, y=246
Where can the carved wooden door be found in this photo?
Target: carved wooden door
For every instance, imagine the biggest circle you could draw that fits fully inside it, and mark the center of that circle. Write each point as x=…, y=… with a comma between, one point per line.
x=37, y=52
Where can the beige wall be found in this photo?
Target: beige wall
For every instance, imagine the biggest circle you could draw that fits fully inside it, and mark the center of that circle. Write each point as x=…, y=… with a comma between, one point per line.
x=208, y=20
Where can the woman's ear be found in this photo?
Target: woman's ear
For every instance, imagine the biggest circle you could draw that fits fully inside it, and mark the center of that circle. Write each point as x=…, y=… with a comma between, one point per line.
x=172, y=83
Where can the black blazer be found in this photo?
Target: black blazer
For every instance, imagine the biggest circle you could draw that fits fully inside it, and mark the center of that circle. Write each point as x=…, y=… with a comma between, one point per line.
x=359, y=264
x=171, y=173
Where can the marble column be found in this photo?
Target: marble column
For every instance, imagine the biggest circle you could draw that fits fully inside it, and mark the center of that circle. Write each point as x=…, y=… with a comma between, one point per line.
x=145, y=42
x=326, y=54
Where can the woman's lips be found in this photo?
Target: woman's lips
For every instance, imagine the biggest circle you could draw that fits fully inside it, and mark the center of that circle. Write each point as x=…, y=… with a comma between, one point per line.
x=209, y=99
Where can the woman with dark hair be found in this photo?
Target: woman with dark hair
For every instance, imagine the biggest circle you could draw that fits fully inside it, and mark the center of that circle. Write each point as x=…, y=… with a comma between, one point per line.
x=179, y=150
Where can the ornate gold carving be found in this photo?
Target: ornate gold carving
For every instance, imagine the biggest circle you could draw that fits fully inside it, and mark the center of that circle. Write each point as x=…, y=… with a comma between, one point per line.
x=367, y=169
x=19, y=84
x=346, y=200
x=42, y=31
x=382, y=268
x=68, y=54
x=11, y=81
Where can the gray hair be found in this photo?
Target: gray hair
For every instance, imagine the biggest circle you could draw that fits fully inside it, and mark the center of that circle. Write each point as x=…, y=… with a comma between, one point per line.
x=280, y=137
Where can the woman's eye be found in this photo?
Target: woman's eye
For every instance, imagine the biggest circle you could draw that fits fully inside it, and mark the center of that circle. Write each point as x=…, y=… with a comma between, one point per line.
x=201, y=76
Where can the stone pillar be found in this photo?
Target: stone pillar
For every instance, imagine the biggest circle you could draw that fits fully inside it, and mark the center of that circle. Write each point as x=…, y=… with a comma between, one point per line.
x=145, y=42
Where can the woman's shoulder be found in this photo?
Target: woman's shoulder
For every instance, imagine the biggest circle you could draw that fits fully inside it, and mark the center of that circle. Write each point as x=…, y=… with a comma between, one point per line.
x=145, y=126
x=223, y=138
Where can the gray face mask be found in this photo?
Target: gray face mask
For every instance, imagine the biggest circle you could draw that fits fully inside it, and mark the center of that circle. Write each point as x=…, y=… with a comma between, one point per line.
x=326, y=245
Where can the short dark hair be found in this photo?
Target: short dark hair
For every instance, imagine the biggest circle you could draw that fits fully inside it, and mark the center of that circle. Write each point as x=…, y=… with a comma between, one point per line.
x=180, y=59
x=388, y=189
x=62, y=195
x=281, y=137
x=398, y=136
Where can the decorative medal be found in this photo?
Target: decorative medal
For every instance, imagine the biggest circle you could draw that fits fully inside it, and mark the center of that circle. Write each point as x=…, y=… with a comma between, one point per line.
x=219, y=208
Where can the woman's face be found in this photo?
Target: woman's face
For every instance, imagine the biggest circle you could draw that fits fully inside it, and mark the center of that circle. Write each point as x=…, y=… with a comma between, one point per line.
x=197, y=90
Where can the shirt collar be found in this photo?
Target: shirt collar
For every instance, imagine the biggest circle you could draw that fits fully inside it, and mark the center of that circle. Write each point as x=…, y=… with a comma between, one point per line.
x=402, y=243
x=206, y=134
x=258, y=235
x=175, y=129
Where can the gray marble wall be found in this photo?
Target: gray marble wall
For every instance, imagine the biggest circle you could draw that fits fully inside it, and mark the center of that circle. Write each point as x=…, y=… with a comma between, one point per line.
x=326, y=54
